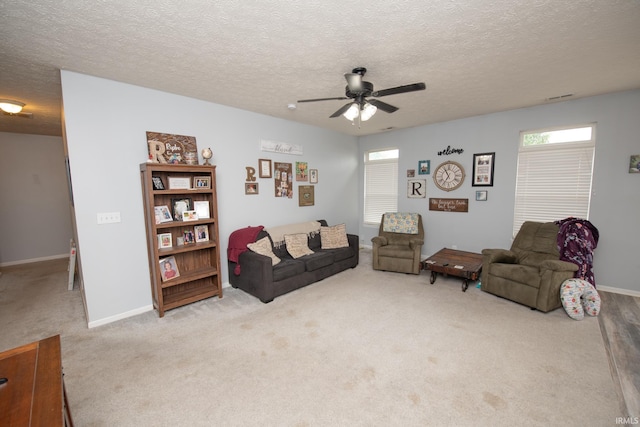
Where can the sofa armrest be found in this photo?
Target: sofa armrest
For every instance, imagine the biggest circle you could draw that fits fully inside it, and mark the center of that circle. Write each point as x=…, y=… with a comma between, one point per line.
x=499, y=255
x=379, y=241
x=557, y=265
x=256, y=275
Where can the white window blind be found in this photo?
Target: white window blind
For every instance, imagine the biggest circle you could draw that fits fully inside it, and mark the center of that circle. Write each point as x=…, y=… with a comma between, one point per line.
x=381, y=188
x=553, y=181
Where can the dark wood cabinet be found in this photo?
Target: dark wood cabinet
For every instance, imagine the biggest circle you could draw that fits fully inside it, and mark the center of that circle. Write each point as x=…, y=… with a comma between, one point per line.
x=187, y=272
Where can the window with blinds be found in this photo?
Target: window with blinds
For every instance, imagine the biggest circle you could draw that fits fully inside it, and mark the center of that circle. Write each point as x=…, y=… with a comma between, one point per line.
x=554, y=175
x=380, y=184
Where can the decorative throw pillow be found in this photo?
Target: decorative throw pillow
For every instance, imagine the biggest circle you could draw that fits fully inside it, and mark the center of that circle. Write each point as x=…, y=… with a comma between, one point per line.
x=297, y=245
x=263, y=247
x=334, y=237
x=591, y=300
x=570, y=293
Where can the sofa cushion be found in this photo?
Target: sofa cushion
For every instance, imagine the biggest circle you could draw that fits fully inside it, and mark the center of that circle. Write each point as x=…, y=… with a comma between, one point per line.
x=340, y=253
x=297, y=245
x=334, y=237
x=287, y=268
x=263, y=247
x=317, y=260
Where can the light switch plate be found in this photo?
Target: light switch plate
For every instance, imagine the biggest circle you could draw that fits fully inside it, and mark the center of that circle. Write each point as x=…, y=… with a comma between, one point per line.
x=108, y=217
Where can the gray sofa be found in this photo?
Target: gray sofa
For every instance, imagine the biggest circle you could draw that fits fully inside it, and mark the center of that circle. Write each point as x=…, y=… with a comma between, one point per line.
x=259, y=278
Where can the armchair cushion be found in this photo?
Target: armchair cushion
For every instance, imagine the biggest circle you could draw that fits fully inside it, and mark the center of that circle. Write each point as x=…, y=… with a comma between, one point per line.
x=400, y=222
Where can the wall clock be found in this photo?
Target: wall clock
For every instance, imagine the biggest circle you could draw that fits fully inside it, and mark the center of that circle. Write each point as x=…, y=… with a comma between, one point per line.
x=449, y=176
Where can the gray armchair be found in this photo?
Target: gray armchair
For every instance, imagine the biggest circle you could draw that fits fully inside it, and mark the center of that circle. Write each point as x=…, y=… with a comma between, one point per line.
x=399, y=243
x=531, y=273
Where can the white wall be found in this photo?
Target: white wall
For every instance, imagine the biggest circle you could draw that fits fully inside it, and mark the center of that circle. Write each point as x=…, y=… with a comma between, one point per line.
x=35, y=218
x=615, y=200
x=106, y=124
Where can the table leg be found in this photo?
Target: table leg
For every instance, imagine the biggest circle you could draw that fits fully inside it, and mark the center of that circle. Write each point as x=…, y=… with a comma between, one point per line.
x=465, y=285
x=433, y=277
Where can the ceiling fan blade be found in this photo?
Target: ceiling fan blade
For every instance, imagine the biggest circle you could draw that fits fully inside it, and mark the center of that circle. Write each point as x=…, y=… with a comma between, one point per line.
x=354, y=82
x=322, y=99
x=20, y=114
x=399, y=89
x=387, y=108
x=341, y=111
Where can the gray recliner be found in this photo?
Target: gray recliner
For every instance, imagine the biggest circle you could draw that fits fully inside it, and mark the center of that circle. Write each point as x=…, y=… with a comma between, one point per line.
x=396, y=250
x=531, y=272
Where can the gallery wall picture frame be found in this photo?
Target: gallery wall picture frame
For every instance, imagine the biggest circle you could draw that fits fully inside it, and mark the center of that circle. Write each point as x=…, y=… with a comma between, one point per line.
x=251, y=188
x=201, y=182
x=302, y=173
x=417, y=188
x=634, y=163
x=411, y=173
x=424, y=167
x=313, y=176
x=481, y=196
x=483, y=167
x=306, y=195
x=264, y=168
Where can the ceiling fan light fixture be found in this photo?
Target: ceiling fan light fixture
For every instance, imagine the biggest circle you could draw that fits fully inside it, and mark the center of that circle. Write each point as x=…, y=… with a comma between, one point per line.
x=10, y=106
x=352, y=112
x=368, y=111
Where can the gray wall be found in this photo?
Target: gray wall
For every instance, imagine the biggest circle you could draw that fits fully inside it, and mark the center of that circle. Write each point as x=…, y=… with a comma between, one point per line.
x=106, y=123
x=35, y=218
x=614, y=205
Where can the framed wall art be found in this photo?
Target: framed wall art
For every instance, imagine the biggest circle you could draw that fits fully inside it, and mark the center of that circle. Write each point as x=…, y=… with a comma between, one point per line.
x=481, y=196
x=251, y=188
x=302, y=171
x=424, y=167
x=634, y=164
x=483, y=164
x=283, y=179
x=313, y=176
x=306, y=196
x=172, y=149
x=264, y=168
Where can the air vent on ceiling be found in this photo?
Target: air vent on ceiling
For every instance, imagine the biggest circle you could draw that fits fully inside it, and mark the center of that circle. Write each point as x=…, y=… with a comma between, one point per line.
x=559, y=97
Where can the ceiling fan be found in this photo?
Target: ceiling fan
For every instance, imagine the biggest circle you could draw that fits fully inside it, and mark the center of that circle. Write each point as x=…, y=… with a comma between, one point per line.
x=359, y=90
x=20, y=114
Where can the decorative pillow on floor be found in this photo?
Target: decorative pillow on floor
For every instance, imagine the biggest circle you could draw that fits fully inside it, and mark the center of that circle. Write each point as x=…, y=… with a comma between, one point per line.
x=334, y=237
x=578, y=296
x=263, y=247
x=297, y=245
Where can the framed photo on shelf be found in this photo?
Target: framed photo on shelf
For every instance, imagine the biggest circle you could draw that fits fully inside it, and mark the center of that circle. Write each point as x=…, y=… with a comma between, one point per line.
x=157, y=183
x=481, y=196
x=190, y=216
x=179, y=182
x=189, y=237
x=202, y=208
x=169, y=268
x=201, y=182
x=179, y=206
x=202, y=233
x=483, y=164
x=264, y=168
x=251, y=188
x=165, y=240
x=162, y=214
x=313, y=176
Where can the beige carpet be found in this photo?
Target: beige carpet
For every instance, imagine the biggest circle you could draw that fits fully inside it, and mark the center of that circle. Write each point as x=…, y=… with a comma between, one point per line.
x=362, y=348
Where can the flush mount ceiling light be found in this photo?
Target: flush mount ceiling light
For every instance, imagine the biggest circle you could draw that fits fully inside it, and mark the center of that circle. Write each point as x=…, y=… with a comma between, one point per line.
x=10, y=106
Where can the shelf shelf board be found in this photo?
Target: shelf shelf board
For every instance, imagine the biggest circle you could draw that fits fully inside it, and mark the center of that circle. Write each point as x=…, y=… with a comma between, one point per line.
x=200, y=273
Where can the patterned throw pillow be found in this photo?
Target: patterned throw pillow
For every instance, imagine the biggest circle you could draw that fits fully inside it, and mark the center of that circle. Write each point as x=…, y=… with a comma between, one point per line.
x=400, y=222
x=297, y=245
x=334, y=237
x=263, y=247
x=578, y=297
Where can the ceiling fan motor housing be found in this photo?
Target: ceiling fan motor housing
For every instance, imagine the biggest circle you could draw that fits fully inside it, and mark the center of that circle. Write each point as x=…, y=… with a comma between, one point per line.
x=366, y=90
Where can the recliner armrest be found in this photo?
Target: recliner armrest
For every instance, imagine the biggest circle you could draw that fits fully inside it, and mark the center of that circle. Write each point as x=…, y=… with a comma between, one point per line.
x=416, y=243
x=557, y=265
x=379, y=240
x=504, y=256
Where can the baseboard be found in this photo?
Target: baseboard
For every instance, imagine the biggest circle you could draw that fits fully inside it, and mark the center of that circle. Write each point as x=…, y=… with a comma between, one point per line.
x=120, y=316
x=622, y=291
x=29, y=261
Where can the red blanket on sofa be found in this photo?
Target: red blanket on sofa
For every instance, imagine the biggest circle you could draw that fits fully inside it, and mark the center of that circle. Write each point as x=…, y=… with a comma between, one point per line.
x=238, y=241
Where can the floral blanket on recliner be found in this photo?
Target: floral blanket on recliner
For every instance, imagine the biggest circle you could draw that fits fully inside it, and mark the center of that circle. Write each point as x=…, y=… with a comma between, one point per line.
x=577, y=238
x=400, y=222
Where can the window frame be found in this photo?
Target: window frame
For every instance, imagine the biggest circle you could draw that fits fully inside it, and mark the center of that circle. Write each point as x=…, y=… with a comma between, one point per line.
x=392, y=186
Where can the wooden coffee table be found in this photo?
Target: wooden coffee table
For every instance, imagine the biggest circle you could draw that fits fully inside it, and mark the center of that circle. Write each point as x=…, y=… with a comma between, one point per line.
x=452, y=262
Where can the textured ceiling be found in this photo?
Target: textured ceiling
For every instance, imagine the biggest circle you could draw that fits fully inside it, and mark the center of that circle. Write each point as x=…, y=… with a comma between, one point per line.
x=475, y=56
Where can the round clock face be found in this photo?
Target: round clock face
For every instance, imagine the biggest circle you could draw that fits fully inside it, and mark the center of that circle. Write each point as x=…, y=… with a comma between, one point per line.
x=448, y=176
